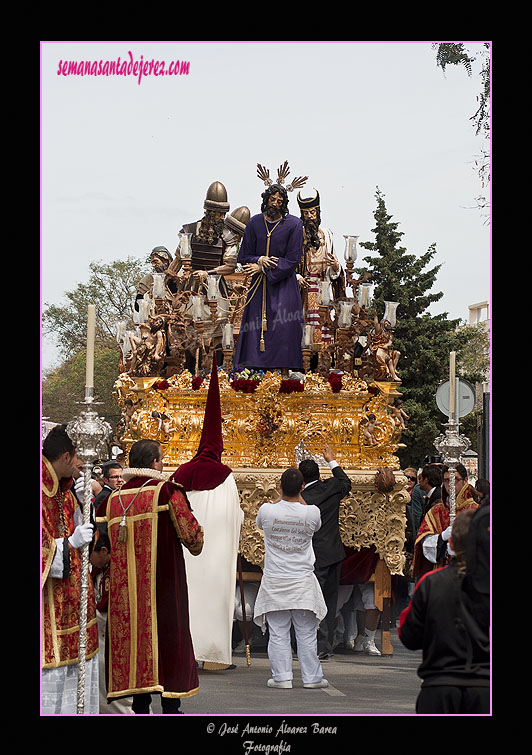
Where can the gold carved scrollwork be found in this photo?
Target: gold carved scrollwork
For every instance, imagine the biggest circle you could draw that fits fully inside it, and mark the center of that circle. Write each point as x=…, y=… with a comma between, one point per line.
x=255, y=487
x=262, y=429
x=260, y=433
x=369, y=517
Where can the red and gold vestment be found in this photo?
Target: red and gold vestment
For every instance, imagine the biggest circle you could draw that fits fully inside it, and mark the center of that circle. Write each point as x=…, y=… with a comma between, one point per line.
x=61, y=597
x=436, y=520
x=149, y=643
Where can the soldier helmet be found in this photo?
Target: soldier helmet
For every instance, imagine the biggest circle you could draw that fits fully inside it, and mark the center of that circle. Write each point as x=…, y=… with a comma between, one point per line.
x=216, y=198
x=238, y=219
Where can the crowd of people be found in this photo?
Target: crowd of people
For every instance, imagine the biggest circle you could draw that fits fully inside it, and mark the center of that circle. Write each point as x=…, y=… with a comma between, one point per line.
x=158, y=545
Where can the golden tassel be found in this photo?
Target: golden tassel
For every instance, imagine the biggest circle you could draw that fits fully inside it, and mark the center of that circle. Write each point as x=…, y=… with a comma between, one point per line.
x=122, y=531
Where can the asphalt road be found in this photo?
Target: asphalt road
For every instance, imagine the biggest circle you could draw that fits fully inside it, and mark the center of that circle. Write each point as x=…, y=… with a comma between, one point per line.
x=359, y=685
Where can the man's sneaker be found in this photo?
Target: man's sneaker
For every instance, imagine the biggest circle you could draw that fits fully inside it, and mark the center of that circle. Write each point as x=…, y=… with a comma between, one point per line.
x=316, y=685
x=280, y=685
x=370, y=648
x=358, y=646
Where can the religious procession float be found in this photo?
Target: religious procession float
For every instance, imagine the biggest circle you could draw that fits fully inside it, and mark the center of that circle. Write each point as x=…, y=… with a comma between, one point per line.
x=234, y=297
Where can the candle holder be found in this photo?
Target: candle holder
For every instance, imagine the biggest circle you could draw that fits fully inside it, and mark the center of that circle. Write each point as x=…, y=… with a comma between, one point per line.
x=213, y=293
x=213, y=306
x=228, y=339
x=223, y=308
x=198, y=307
x=452, y=445
x=89, y=433
x=158, y=288
x=350, y=251
x=325, y=293
x=344, y=359
x=213, y=290
x=390, y=308
x=185, y=251
x=350, y=256
x=344, y=317
x=364, y=295
x=142, y=310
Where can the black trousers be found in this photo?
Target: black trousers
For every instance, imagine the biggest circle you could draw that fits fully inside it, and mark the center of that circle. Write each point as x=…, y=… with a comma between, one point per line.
x=142, y=701
x=446, y=699
x=328, y=577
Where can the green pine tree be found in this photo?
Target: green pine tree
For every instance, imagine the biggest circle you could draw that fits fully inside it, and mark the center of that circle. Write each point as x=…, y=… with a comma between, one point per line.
x=424, y=340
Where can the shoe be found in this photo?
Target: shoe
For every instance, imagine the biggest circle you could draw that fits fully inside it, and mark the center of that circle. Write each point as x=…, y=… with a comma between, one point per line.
x=324, y=656
x=370, y=648
x=349, y=644
x=358, y=645
x=280, y=685
x=317, y=685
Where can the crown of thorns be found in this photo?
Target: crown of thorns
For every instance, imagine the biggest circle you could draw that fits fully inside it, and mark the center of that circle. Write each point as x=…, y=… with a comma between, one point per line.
x=282, y=173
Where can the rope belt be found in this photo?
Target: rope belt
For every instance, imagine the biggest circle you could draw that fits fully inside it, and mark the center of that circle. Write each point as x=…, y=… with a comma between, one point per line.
x=264, y=326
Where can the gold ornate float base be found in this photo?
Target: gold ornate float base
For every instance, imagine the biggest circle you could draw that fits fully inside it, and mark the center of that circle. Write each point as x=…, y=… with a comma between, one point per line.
x=263, y=428
x=260, y=433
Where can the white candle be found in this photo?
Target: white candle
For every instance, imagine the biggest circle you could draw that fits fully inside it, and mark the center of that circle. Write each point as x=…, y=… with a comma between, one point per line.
x=158, y=290
x=344, y=320
x=212, y=287
x=91, y=328
x=307, y=336
x=452, y=384
x=325, y=295
x=227, y=336
x=185, y=250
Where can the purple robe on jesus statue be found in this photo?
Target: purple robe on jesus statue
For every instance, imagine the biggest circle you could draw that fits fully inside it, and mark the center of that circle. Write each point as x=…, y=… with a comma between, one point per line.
x=284, y=310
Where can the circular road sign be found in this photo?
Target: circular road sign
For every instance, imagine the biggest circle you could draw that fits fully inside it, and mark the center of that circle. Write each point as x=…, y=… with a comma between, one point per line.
x=465, y=397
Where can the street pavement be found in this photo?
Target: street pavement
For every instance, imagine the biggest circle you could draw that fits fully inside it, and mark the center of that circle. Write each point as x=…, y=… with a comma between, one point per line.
x=359, y=684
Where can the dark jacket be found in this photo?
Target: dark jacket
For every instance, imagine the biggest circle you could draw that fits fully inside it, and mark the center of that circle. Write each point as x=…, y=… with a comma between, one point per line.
x=102, y=496
x=327, y=495
x=439, y=621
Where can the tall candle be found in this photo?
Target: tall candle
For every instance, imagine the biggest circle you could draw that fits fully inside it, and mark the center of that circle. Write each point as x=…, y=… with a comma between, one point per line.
x=89, y=365
x=452, y=384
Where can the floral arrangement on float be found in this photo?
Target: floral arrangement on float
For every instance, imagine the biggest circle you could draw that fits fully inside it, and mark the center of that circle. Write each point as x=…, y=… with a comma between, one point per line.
x=335, y=381
x=245, y=380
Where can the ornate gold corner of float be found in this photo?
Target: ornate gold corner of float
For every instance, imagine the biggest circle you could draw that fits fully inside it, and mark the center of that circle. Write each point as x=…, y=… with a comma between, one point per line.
x=369, y=516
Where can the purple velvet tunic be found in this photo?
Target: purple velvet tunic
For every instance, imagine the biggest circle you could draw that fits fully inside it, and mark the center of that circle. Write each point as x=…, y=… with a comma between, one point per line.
x=284, y=310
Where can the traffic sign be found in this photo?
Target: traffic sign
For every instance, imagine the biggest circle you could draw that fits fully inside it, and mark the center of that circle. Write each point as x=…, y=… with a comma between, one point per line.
x=465, y=397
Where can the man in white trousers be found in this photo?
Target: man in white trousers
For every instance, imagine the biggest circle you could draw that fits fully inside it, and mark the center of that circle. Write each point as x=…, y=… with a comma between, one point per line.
x=289, y=592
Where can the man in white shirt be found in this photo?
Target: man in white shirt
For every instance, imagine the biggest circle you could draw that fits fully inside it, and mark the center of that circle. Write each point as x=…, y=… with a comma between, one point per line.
x=289, y=592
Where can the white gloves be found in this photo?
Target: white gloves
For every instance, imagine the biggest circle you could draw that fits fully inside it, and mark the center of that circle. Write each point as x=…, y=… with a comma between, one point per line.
x=79, y=487
x=446, y=534
x=82, y=535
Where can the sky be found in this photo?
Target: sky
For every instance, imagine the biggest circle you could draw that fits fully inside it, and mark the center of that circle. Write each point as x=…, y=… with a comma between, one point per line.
x=126, y=160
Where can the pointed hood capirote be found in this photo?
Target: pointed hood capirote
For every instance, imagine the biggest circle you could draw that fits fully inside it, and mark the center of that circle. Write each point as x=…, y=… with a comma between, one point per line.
x=206, y=471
